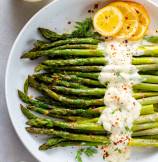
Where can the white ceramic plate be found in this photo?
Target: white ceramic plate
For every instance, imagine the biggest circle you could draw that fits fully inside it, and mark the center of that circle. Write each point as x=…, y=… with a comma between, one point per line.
x=55, y=16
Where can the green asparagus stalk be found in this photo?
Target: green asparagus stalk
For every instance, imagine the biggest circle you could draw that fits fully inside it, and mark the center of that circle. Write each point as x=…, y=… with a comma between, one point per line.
x=139, y=127
x=81, y=112
x=147, y=118
x=147, y=67
x=69, y=68
x=37, y=103
x=149, y=137
x=134, y=142
x=38, y=43
x=47, y=79
x=69, y=112
x=62, y=99
x=140, y=95
x=47, y=123
x=99, y=92
x=70, y=41
x=97, y=138
x=47, y=100
x=149, y=78
x=64, y=52
x=30, y=115
x=51, y=35
x=56, y=77
x=28, y=100
x=148, y=132
x=149, y=100
x=84, y=75
x=152, y=39
x=146, y=87
x=149, y=109
x=144, y=60
x=142, y=119
x=141, y=68
x=26, y=86
x=27, y=113
x=82, y=30
x=84, y=81
x=149, y=50
x=89, y=127
x=50, y=144
x=90, y=61
x=143, y=142
x=145, y=78
x=69, y=136
x=76, y=46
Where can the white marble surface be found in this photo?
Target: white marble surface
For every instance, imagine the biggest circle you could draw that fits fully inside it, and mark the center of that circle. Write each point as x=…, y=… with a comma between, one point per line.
x=13, y=16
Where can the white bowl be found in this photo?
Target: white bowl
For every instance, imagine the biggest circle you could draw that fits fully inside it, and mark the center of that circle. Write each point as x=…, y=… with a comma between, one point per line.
x=55, y=16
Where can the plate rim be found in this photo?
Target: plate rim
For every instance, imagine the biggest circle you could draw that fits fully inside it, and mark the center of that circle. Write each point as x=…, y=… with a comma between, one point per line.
x=9, y=61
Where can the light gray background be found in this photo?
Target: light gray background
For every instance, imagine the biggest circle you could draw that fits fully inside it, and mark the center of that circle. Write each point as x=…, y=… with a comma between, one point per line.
x=13, y=16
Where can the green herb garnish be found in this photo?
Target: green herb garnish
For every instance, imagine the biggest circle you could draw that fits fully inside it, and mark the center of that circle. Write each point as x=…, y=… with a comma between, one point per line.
x=89, y=151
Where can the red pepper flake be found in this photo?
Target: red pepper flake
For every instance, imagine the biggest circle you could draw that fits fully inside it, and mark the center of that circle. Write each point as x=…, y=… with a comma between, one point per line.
x=112, y=45
x=89, y=11
x=96, y=6
x=120, y=141
x=115, y=143
x=106, y=17
x=128, y=27
x=137, y=11
x=116, y=123
x=106, y=154
x=127, y=137
x=125, y=88
x=126, y=41
x=126, y=17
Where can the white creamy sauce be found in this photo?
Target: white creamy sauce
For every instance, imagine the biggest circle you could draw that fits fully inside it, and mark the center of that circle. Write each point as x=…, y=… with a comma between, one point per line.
x=122, y=109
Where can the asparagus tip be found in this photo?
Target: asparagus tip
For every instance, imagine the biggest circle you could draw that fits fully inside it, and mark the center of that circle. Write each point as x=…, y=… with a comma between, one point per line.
x=42, y=147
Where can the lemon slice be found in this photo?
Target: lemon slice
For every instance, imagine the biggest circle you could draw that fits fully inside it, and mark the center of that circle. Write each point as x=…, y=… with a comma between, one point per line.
x=142, y=13
x=131, y=20
x=108, y=21
x=139, y=33
x=143, y=18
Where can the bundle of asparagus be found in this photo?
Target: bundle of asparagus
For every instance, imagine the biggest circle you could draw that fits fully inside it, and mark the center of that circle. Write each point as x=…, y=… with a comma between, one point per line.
x=71, y=98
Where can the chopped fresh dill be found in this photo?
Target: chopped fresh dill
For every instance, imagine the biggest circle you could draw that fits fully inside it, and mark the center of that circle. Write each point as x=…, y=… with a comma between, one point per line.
x=89, y=151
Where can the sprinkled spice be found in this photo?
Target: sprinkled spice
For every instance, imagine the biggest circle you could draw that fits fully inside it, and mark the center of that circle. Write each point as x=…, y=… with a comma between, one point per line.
x=96, y=6
x=89, y=11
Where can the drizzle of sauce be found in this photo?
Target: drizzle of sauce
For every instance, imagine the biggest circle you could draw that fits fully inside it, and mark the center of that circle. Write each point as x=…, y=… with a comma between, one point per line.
x=122, y=109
